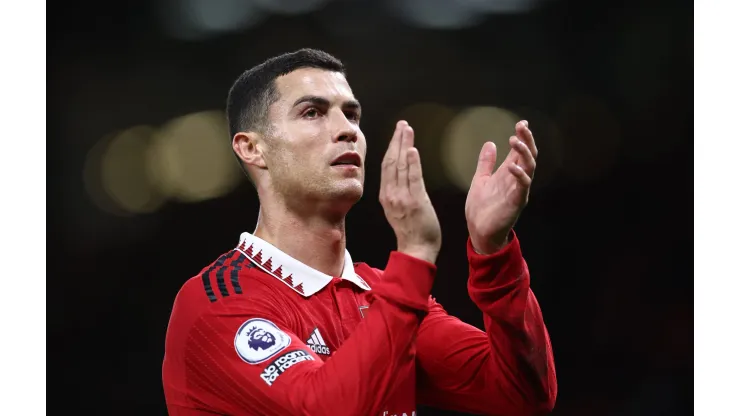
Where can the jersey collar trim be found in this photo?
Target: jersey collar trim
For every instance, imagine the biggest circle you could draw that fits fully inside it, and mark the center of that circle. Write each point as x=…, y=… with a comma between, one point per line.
x=298, y=276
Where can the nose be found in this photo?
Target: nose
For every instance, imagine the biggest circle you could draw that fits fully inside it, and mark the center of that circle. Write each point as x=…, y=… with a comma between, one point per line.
x=348, y=137
x=345, y=131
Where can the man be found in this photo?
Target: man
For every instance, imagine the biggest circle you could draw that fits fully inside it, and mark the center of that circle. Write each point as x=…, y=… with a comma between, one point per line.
x=286, y=323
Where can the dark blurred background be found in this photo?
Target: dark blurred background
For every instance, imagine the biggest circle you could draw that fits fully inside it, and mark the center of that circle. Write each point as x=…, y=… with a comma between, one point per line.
x=143, y=190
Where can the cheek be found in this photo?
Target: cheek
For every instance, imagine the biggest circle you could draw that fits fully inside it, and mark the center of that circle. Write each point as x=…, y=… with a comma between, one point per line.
x=304, y=137
x=297, y=158
x=362, y=145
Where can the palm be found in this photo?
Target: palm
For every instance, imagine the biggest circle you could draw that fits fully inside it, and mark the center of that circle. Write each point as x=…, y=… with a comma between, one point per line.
x=496, y=198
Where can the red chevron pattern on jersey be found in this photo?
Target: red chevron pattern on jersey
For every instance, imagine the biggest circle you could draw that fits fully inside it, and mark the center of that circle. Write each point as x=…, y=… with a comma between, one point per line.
x=267, y=266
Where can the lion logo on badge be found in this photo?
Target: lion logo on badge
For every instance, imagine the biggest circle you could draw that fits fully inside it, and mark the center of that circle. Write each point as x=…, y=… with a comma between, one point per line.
x=259, y=339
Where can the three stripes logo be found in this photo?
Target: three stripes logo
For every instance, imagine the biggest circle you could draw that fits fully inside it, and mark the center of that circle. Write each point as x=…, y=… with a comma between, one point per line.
x=225, y=269
x=317, y=344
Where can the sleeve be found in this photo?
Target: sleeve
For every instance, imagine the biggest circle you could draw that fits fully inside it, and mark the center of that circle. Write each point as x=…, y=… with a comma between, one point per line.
x=506, y=370
x=245, y=360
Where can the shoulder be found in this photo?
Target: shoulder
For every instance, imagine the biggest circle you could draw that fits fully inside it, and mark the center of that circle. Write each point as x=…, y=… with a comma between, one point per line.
x=369, y=273
x=223, y=296
x=230, y=279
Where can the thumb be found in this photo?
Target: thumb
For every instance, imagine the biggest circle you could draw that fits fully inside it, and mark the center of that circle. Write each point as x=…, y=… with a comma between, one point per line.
x=486, y=160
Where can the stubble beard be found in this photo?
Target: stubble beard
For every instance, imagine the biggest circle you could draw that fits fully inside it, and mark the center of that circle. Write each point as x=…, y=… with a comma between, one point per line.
x=300, y=188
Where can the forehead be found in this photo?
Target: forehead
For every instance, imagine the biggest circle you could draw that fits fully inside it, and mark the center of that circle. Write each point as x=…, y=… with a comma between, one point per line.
x=313, y=81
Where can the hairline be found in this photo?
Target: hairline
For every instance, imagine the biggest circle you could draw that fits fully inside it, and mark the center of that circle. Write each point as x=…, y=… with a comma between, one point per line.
x=272, y=95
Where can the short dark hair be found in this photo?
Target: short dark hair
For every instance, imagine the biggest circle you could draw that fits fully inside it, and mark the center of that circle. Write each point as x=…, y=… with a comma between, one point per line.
x=254, y=91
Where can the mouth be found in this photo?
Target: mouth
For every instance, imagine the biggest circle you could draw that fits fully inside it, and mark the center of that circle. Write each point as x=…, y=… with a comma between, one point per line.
x=348, y=159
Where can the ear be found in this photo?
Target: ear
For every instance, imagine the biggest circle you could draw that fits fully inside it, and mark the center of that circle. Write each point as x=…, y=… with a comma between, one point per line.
x=248, y=146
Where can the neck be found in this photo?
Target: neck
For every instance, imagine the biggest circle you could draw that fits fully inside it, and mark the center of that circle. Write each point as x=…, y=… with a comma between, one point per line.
x=315, y=240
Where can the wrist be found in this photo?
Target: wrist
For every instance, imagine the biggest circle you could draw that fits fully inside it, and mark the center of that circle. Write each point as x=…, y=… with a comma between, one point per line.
x=427, y=254
x=490, y=245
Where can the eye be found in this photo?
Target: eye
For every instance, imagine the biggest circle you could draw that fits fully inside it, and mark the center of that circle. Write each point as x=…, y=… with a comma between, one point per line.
x=352, y=115
x=311, y=113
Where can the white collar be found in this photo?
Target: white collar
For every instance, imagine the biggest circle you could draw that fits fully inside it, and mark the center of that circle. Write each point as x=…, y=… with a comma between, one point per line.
x=299, y=277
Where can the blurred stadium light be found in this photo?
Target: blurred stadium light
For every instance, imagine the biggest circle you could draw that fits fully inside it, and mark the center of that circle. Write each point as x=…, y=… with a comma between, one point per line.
x=200, y=19
x=116, y=176
x=465, y=137
x=435, y=14
x=190, y=158
x=137, y=170
x=454, y=14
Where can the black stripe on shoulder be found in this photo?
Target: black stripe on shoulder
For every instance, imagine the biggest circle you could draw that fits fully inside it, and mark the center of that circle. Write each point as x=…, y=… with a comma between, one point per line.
x=220, y=275
x=238, y=263
x=206, y=276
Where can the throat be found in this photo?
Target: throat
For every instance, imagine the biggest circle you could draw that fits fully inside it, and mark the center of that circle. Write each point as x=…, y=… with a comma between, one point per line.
x=320, y=247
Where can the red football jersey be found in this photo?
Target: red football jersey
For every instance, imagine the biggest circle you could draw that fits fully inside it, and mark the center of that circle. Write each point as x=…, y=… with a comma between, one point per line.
x=259, y=333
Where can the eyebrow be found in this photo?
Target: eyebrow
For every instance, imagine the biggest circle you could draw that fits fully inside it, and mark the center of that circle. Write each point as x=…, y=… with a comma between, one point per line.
x=321, y=101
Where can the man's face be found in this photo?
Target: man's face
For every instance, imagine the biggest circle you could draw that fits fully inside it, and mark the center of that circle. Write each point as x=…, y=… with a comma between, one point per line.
x=315, y=121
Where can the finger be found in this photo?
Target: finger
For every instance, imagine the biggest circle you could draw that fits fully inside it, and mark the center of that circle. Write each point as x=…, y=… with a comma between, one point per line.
x=525, y=158
x=407, y=141
x=520, y=175
x=416, y=180
x=513, y=156
x=525, y=134
x=389, y=172
x=486, y=160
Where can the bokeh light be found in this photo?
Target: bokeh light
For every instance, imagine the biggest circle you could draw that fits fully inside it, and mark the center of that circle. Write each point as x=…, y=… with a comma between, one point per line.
x=200, y=19
x=191, y=160
x=116, y=173
x=435, y=14
x=466, y=135
x=91, y=177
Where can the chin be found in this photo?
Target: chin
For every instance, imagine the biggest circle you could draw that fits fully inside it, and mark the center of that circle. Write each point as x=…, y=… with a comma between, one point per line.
x=350, y=191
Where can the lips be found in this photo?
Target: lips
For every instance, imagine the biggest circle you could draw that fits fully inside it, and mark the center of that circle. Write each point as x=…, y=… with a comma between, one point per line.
x=348, y=158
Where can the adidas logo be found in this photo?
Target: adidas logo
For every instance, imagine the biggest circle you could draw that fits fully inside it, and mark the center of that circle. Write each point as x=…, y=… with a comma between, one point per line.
x=317, y=344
